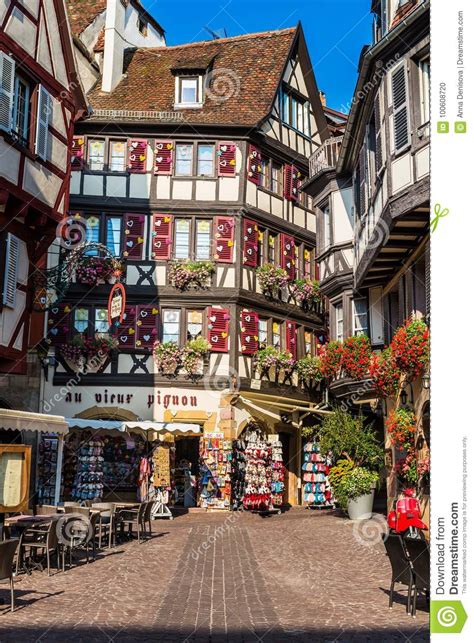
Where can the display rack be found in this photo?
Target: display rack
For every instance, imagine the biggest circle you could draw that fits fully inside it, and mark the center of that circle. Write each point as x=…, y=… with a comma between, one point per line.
x=278, y=474
x=215, y=472
x=88, y=483
x=48, y=448
x=317, y=490
x=238, y=473
x=258, y=473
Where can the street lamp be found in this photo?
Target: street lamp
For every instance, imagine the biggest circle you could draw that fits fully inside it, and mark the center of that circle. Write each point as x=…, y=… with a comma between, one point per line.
x=425, y=380
x=403, y=397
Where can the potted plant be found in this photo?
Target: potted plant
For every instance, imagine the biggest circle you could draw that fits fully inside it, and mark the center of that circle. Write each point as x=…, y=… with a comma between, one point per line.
x=385, y=374
x=184, y=275
x=269, y=358
x=306, y=293
x=355, y=358
x=168, y=358
x=86, y=354
x=331, y=360
x=272, y=279
x=410, y=348
x=193, y=356
x=91, y=271
x=352, y=439
x=309, y=370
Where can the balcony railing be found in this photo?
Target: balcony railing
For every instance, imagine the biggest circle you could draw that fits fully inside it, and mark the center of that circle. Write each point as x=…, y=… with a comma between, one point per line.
x=325, y=156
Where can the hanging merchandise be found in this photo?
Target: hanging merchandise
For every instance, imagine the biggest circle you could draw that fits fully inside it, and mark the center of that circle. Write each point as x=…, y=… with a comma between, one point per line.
x=278, y=474
x=215, y=471
x=89, y=480
x=144, y=479
x=122, y=462
x=47, y=465
x=317, y=490
x=161, y=465
x=238, y=473
x=258, y=472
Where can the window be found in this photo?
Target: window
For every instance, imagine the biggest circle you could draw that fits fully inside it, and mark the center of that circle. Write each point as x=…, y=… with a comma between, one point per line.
x=205, y=160
x=96, y=154
x=260, y=247
x=117, y=156
x=183, y=237
x=425, y=73
x=93, y=232
x=194, y=324
x=297, y=260
x=276, y=335
x=277, y=178
x=203, y=239
x=188, y=91
x=308, y=342
x=265, y=173
x=339, y=317
x=303, y=198
x=184, y=159
x=113, y=235
x=307, y=262
x=295, y=111
x=142, y=26
x=272, y=243
x=326, y=226
x=359, y=317
x=101, y=322
x=262, y=332
x=171, y=325
x=81, y=319
x=21, y=110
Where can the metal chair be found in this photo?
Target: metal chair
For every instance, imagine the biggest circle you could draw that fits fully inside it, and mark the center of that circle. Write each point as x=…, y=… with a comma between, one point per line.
x=402, y=571
x=133, y=519
x=40, y=540
x=147, y=516
x=419, y=555
x=106, y=520
x=7, y=554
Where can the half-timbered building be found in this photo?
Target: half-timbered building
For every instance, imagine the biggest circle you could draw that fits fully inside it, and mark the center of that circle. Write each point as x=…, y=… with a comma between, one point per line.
x=195, y=154
x=40, y=98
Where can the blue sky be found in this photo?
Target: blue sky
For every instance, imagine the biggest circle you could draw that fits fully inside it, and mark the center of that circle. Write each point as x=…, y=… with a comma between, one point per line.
x=335, y=31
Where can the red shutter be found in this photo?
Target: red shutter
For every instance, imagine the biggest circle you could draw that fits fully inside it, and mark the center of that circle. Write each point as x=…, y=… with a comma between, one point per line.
x=137, y=151
x=127, y=332
x=248, y=332
x=218, y=329
x=59, y=319
x=291, y=338
x=254, y=170
x=134, y=225
x=250, y=244
x=78, y=152
x=316, y=271
x=224, y=239
x=290, y=187
x=164, y=157
x=146, y=326
x=226, y=159
x=162, y=236
x=287, y=254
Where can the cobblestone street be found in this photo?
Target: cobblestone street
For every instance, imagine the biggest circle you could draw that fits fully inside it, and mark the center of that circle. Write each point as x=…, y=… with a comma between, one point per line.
x=222, y=577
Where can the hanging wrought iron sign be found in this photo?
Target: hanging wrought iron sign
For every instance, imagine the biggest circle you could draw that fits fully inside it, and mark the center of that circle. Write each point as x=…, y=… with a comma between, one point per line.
x=116, y=307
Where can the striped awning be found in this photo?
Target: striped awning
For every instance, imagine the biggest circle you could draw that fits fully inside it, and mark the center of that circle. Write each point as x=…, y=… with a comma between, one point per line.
x=135, y=426
x=13, y=420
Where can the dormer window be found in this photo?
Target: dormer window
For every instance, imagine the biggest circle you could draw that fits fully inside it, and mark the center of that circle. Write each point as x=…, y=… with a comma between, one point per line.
x=188, y=91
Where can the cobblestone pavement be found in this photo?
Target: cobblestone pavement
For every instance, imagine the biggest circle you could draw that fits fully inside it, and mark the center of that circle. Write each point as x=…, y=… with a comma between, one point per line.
x=219, y=577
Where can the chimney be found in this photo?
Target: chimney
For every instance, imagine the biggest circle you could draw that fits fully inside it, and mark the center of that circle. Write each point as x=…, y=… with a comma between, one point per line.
x=322, y=96
x=114, y=44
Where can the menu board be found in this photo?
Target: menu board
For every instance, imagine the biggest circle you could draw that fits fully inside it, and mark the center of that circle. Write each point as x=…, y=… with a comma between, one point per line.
x=161, y=463
x=14, y=477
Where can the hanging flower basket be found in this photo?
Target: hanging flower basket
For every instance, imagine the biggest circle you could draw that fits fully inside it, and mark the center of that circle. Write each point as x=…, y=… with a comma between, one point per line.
x=401, y=427
x=168, y=358
x=193, y=356
x=184, y=275
x=355, y=359
x=309, y=370
x=270, y=358
x=272, y=279
x=410, y=348
x=88, y=355
x=385, y=374
x=92, y=271
x=331, y=360
x=306, y=293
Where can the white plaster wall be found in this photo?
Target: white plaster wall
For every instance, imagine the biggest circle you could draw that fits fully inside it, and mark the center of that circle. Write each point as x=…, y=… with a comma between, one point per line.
x=116, y=186
x=10, y=318
x=163, y=187
x=42, y=55
x=225, y=277
x=10, y=161
x=55, y=43
x=422, y=162
x=132, y=34
x=341, y=214
x=4, y=4
x=205, y=190
x=22, y=30
x=402, y=175
x=228, y=188
x=40, y=182
x=140, y=186
x=182, y=190
x=93, y=185
x=159, y=275
x=75, y=183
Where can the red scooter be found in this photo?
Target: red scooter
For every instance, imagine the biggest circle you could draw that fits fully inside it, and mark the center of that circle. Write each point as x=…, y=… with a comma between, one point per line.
x=406, y=518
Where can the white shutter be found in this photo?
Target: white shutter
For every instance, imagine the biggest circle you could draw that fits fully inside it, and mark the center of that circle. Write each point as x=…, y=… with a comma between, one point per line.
x=12, y=257
x=7, y=84
x=401, y=124
x=42, y=122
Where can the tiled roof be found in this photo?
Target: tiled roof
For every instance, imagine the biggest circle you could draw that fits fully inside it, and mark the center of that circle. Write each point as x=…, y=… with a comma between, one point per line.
x=83, y=12
x=245, y=72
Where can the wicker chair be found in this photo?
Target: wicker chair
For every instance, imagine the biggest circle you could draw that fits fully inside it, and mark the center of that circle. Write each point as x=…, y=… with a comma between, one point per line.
x=7, y=554
x=40, y=540
x=133, y=519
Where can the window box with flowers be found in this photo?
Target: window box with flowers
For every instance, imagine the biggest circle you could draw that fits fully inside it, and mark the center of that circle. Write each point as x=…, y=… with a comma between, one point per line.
x=272, y=363
x=306, y=293
x=401, y=429
x=411, y=348
x=331, y=360
x=168, y=358
x=185, y=275
x=309, y=371
x=385, y=374
x=91, y=271
x=194, y=356
x=88, y=354
x=355, y=358
x=272, y=280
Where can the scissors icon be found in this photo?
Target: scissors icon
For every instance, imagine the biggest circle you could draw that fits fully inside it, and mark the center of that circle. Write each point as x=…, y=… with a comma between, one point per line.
x=439, y=214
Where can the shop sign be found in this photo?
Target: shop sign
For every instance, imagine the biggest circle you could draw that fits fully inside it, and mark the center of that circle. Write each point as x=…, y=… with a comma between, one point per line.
x=116, y=307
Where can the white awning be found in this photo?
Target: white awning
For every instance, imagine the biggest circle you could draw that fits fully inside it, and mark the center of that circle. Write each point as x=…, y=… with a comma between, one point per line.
x=134, y=425
x=10, y=419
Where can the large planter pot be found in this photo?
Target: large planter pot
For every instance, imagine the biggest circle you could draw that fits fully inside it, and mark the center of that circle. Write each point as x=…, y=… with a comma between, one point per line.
x=361, y=508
